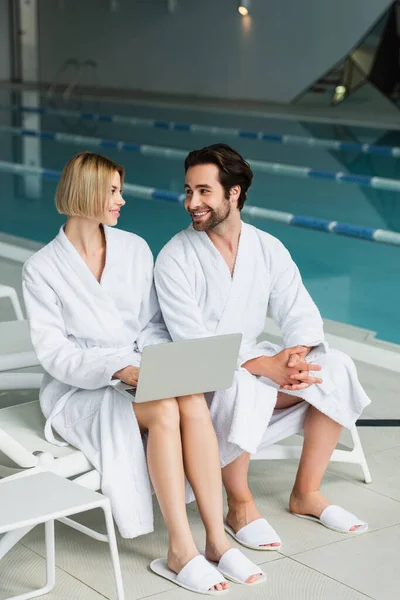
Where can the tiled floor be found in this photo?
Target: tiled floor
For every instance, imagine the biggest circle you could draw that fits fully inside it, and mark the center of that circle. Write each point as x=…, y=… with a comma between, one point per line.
x=313, y=564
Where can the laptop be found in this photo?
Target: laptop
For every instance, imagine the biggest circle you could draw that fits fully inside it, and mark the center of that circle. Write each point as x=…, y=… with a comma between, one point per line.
x=188, y=367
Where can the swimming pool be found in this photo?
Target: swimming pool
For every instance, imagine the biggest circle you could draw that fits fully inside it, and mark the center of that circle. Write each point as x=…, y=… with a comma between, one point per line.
x=353, y=281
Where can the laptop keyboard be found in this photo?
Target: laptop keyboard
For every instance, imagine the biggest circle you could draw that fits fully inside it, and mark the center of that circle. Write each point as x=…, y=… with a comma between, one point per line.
x=131, y=391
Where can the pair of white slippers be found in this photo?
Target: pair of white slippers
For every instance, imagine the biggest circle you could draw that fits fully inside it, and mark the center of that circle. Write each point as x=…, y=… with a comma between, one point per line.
x=259, y=534
x=199, y=575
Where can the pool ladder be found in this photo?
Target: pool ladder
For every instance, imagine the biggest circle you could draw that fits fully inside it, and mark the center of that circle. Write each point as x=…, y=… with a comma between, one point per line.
x=76, y=70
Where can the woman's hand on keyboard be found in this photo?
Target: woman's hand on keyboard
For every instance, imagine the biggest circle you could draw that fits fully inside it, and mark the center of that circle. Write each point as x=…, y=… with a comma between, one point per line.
x=129, y=375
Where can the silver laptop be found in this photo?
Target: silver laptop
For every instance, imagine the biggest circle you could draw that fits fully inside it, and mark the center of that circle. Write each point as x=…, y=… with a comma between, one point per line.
x=182, y=368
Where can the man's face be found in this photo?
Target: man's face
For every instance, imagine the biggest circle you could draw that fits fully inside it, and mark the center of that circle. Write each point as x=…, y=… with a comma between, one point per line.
x=205, y=197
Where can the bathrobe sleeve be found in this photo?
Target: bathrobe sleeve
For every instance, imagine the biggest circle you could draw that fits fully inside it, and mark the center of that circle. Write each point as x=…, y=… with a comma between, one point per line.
x=179, y=307
x=152, y=325
x=290, y=304
x=85, y=368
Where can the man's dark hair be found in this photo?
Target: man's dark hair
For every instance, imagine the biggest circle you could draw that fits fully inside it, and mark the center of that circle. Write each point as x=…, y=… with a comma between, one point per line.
x=233, y=169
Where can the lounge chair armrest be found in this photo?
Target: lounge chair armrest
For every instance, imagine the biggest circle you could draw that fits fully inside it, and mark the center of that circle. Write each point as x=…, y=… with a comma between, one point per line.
x=16, y=452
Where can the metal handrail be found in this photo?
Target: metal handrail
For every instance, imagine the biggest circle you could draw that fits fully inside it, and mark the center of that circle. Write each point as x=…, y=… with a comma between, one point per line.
x=73, y=83
x=86, y=66
x=79, y=69
x=91, y=64
x=70, y=62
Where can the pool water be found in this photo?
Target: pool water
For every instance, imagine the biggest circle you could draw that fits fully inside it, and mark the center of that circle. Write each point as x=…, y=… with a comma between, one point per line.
x=352, y=281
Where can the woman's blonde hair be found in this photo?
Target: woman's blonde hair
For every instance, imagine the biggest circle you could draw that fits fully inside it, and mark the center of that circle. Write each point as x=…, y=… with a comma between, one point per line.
x=84, y=186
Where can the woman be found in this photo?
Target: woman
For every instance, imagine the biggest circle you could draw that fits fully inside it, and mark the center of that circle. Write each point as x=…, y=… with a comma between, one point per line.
x=92, y=308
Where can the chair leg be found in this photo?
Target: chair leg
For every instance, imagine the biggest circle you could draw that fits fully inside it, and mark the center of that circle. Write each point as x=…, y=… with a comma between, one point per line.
x=359, y=451
x=16, y=306
x=8, y=540
x=50, y=566
x=112, y=540
x=50, y=556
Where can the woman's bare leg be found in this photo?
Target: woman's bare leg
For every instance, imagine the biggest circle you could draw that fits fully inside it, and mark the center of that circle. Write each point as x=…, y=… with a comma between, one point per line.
x=202, y=467
x=164, y=456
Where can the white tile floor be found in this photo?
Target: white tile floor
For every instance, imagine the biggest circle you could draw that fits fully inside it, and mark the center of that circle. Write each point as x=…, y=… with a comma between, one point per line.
x=313, y=564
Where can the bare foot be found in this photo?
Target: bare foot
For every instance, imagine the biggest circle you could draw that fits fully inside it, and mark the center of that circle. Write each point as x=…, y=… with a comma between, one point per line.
x=176, y=562
x=214, y=553
x=311, y=503
x=242, y=514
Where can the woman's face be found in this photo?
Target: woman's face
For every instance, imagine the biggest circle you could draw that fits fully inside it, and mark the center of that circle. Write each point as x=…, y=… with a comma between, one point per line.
x=115, y=201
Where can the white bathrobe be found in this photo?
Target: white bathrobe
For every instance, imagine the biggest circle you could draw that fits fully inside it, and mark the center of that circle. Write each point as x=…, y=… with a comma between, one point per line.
x=83, y=332
x=198, y=298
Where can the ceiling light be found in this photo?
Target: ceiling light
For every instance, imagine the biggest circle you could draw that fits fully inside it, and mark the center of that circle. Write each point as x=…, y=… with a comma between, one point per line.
x=243, y=7
x=172, y=5
x=340, y=94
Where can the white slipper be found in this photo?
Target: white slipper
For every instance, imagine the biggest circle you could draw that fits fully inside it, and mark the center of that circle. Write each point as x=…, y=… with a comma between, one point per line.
x=198, y=575
x=338, y=519
x=255, y=535
x=236, y=567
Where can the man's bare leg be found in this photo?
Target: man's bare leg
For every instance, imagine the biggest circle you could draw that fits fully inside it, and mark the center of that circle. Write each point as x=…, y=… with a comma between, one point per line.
x=321, y=434
x=242, y=509
x=241, y=506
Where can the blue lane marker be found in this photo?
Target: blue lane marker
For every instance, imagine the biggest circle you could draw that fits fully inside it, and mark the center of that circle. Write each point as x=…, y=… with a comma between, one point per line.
x=350, y=146
x=347, y=229
x=354, y=178
x=89, y=116
x=130, y=147
x=310, y=222
x=29, y=109
x=270, y=137
x=182, y=127
x=108, y=144
x=383, y=150
x=45, y=135
x=366, y=148
x=366, y=233
x=177, y=153
x=166, y=195
x=161, y=124
x=252, y=135
x=318, y=174
x=194, y=128
x=51, y=174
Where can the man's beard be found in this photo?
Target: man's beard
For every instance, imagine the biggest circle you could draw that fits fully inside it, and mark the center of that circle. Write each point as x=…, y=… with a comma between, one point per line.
x=215, y=218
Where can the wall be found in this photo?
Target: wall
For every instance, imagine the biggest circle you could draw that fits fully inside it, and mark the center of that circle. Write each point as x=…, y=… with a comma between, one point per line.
x=205, y=48
x=4, y=41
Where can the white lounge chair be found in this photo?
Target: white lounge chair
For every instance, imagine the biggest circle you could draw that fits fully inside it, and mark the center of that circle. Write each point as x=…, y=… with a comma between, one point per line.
x=353, y=455
x=7, y=291
x=23, y=447
x=277, y=451
x=58, y=497
x=16, y=352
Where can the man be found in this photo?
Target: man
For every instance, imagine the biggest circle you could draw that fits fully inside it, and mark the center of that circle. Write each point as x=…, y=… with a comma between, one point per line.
x=220, y=276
